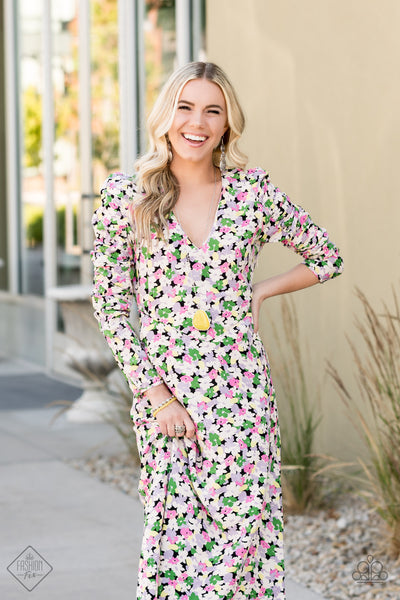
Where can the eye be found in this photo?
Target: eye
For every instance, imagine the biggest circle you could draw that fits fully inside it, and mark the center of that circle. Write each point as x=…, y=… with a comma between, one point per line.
x=183, y=107
x=214, y=111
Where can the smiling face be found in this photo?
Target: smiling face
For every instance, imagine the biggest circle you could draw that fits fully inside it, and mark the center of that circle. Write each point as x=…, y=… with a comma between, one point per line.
x=199, y=123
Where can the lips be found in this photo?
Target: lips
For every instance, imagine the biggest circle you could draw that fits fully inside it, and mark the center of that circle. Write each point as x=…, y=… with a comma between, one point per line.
x=196, y=139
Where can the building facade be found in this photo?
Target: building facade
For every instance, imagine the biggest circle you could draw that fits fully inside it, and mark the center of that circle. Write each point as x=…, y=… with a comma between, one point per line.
x=317, y=81
x=78, y=80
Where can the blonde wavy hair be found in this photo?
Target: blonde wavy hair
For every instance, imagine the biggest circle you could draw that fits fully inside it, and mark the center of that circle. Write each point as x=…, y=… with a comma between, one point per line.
x=157, y=187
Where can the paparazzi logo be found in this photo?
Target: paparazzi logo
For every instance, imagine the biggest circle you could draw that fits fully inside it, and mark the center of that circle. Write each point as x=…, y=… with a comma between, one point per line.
x=370, y=571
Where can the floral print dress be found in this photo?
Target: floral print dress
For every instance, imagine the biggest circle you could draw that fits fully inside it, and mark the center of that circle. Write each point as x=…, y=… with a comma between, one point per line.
x=213, y=525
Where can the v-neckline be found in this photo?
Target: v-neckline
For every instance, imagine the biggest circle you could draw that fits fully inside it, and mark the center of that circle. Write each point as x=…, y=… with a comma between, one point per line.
x=214, y=223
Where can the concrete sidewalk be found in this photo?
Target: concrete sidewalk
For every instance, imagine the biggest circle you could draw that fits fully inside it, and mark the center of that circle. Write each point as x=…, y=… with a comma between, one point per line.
x=88, y=532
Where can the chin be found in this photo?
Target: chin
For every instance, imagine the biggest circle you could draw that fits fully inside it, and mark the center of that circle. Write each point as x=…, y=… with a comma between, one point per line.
x=193, y=157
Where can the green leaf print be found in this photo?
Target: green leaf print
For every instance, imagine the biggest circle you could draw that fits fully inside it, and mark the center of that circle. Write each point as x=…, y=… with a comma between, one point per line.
x=277, y=524
x=228, y=304
x=194, y=385
x=256, y=379
x=206, y=272
x=221, y=479
x=254, y=510
x=172, y=486
x=175, y=237
x=229, y=501
x=223, y=412
x=214, y=439
x=193, y=596
x=219, y=330
x=157, y=526
x=194, y=353
x=240, y=461
x=170, y=574
x=209, y=545
x=271, y=550
x=213, y=244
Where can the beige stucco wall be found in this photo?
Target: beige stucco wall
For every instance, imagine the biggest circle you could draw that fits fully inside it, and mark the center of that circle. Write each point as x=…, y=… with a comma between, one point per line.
x=318, y=80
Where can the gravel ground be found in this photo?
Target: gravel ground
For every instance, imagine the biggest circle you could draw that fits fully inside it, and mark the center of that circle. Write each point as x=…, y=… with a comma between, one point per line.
x=324, y=551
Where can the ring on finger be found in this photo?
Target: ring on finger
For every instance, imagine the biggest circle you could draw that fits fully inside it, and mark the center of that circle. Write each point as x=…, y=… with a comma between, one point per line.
x=180, y=428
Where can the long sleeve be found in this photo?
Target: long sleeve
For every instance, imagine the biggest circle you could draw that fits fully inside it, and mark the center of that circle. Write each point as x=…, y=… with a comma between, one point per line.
x=290, y=224
x=112, y=294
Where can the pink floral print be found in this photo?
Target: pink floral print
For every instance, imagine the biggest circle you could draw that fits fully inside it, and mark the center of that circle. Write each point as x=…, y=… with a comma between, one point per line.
x=213, y=525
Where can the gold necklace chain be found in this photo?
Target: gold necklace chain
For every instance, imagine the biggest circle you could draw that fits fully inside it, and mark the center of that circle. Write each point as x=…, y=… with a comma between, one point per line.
x=209, y=210
x=200, y=319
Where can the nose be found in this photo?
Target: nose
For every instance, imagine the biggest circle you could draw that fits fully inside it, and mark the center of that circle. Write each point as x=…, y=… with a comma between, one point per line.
x=197, y=118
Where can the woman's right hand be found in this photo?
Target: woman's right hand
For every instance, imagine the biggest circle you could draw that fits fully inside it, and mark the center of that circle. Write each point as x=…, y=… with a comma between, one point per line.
x=173, y=414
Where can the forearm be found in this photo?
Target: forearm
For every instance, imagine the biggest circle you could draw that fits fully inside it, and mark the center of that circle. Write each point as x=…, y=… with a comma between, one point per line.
x=157, y=394
x=298, y=278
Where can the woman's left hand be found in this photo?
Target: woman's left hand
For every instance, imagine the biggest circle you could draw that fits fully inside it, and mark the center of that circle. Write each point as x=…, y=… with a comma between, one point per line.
x=256, y=301
x=297, y=278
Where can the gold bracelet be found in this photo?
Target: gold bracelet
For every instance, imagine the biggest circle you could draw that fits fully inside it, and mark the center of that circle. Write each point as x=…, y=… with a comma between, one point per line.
x=163, y=405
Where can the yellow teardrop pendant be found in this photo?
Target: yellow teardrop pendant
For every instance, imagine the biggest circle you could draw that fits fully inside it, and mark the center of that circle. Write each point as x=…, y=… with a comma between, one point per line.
x=200, y=320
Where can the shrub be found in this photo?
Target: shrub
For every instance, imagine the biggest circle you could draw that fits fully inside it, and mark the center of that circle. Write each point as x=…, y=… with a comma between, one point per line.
x=301, y=468
x=378, y=376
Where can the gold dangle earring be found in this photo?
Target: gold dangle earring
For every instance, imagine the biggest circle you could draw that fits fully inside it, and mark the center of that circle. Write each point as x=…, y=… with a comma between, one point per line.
x=222, y=160
x=170, y=155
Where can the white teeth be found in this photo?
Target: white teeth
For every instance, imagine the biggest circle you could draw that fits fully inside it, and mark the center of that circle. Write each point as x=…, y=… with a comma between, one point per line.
x=194, y=138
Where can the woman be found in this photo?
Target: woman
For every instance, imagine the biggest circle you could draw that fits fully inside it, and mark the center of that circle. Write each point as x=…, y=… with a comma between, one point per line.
x=182, y=237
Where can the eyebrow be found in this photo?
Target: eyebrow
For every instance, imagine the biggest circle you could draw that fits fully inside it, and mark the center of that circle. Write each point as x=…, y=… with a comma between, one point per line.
x=208, y=106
